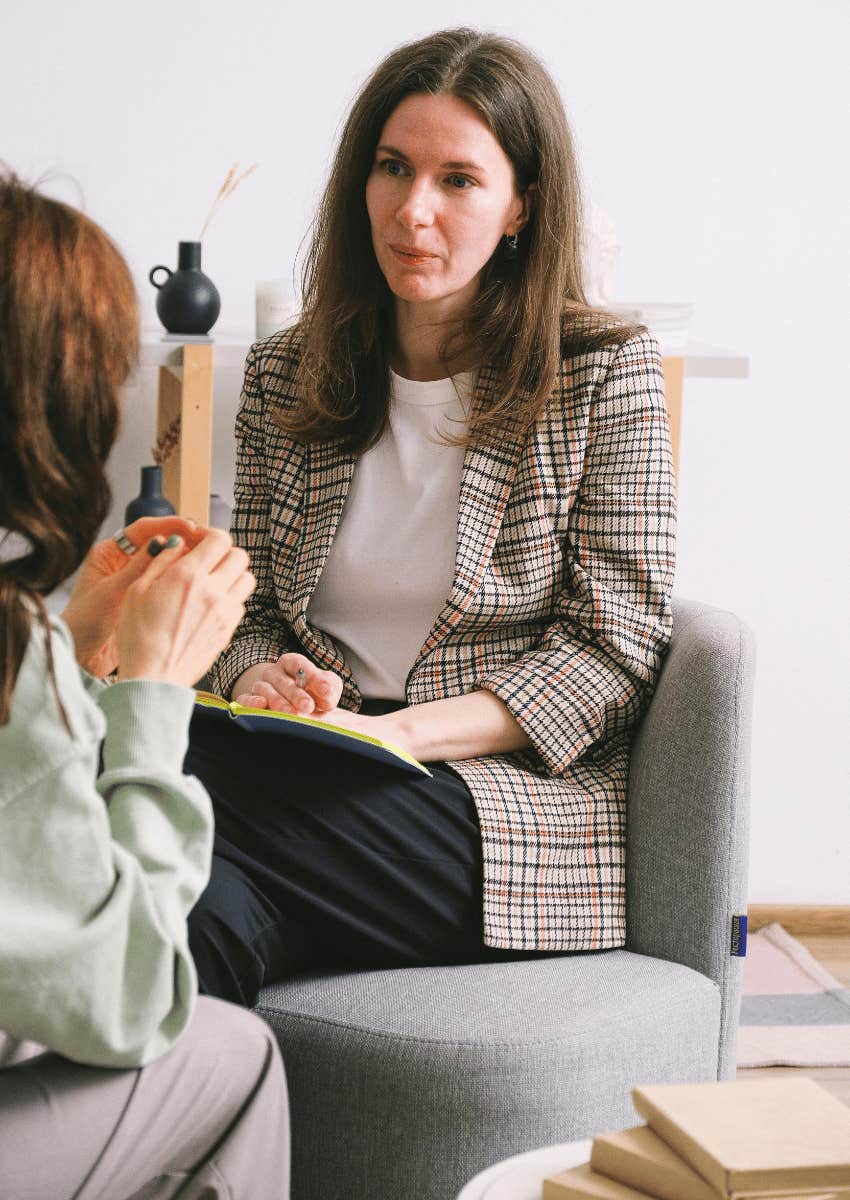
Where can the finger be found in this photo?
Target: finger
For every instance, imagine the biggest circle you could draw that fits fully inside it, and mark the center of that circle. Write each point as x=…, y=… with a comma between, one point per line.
x=305, y=673
x=324, y=687
x=292, y=662
x=242, y=587
x=292, y=675
x=231, y=567
x=214, y=546
x=249, y=700
x=160, y=555
x=141, y=531
x=232, y=616
x=292, y=699
x=141, y=563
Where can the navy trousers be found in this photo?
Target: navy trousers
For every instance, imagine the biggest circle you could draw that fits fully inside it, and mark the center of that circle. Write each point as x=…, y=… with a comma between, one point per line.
x=326, y=860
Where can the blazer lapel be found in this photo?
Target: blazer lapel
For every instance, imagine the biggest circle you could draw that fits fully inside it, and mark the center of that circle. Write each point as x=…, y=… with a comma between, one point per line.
x=328, y=471
x=486, y=479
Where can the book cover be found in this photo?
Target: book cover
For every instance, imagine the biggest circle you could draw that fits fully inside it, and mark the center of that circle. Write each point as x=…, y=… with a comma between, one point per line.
x=586, y=1183
x=583, y=1183
x=638, y=1157
x=259, y=720
x=751, y=1137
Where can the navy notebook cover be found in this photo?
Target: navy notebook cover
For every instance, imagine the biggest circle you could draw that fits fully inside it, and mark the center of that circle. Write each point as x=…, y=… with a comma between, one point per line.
x=253, y=720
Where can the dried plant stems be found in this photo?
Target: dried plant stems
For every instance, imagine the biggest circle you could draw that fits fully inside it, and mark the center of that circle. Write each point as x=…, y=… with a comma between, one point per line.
x=231, y=183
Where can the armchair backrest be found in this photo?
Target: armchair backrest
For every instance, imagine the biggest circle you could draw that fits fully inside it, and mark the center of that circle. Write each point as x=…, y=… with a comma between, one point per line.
x=688, y=806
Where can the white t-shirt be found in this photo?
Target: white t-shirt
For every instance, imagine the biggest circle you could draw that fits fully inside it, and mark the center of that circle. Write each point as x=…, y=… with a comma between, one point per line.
x=391, y=566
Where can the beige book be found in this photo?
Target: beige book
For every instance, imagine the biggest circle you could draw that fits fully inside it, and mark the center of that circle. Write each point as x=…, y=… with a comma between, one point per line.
x=754, y=1137
x=583, y=1183
x=638, y=1157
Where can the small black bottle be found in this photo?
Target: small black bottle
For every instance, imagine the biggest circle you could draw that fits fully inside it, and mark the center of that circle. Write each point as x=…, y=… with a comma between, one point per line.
x=150, y=501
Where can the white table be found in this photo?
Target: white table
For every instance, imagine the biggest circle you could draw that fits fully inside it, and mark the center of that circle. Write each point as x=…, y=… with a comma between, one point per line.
x=521, y=1177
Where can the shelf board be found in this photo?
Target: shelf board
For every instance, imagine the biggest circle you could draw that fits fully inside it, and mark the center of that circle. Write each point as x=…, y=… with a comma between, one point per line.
x=702, y=361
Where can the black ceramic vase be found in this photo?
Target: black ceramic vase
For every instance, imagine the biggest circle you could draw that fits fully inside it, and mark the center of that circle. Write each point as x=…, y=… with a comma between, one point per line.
x=150, y=501
x=188, y=302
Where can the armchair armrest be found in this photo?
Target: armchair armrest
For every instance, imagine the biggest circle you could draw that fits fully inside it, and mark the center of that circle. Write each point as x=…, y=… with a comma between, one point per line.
x=688, y=806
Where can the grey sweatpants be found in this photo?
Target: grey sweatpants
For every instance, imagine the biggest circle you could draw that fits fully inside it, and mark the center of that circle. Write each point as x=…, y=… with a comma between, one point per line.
x=207, y=1121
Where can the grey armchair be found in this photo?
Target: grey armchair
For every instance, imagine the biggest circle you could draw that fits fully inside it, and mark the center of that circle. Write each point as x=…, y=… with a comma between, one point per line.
x=405, y=1083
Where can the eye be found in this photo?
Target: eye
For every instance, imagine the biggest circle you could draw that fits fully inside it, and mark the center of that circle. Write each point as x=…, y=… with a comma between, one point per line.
x=460, y=183
x=391, y=167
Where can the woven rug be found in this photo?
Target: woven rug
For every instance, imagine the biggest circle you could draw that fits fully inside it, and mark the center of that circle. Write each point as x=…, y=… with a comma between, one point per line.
x=793, y=1012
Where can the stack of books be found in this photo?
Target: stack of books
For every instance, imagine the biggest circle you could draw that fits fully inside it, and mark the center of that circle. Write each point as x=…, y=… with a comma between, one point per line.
x=669, y=322
x=774, y=1139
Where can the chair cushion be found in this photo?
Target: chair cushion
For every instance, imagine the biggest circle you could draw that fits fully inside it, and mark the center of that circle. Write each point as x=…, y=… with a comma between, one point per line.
x=460, y=1066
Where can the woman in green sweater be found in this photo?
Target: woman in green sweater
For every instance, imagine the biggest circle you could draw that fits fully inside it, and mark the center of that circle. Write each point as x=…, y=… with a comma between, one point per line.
x=113, y=1076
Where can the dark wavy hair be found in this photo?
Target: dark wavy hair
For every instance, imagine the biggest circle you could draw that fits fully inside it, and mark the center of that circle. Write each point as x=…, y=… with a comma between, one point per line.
x=68, y=340
x=531, y=311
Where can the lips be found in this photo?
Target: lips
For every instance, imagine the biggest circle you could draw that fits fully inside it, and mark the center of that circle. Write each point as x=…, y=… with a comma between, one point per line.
x=411, y=254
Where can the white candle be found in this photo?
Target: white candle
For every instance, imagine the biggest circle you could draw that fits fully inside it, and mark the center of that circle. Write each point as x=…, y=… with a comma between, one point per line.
x=276, y=306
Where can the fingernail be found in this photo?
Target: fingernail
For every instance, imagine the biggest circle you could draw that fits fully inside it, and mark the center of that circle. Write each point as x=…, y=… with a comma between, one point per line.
x=155, y=546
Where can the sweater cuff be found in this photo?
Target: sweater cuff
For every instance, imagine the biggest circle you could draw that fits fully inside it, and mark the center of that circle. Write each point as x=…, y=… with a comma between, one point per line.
x=147, y=723
x=93, y=684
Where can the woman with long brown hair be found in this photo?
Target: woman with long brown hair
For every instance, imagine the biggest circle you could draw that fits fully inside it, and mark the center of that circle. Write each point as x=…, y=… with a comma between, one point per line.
x=112, y=1078
x=454, y=483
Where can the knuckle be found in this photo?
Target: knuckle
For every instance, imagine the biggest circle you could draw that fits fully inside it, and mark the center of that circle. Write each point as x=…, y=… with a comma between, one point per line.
x=182, y=574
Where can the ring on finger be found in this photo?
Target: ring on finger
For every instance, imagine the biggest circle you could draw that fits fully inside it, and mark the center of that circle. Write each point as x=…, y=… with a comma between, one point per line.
x=123, y=542
x=300, y=677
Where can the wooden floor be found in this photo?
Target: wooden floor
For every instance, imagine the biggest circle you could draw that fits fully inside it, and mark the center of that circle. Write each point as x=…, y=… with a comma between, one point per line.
x=833, y=952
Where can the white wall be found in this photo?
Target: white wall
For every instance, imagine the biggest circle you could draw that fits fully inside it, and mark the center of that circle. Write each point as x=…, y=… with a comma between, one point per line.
x=713, y=134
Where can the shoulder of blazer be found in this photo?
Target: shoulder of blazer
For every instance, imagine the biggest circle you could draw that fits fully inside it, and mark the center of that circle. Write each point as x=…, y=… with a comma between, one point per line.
x=275, y=361
x=585, y=372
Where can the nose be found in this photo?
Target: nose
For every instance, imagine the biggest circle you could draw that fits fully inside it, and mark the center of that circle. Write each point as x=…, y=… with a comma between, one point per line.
x=417, y=207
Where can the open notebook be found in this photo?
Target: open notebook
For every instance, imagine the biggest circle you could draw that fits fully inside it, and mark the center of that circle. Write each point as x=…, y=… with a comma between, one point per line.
x=253, y=721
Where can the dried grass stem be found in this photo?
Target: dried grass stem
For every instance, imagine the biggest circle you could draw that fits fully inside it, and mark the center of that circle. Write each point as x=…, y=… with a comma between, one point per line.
x=231, y=183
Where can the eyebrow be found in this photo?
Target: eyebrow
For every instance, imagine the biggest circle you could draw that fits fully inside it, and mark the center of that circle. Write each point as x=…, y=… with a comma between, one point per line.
x=446, y=166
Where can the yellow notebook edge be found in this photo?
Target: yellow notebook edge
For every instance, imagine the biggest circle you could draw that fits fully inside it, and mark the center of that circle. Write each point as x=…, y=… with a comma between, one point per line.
x=213, y=700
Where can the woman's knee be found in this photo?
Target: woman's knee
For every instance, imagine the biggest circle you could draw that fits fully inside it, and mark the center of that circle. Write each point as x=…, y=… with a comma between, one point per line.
x=240, y=1054
x=224, y=928
x=232, y=1035
x=235, y=1065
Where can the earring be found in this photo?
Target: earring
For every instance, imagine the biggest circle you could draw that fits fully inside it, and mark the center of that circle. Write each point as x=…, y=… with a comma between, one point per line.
x=511, y=244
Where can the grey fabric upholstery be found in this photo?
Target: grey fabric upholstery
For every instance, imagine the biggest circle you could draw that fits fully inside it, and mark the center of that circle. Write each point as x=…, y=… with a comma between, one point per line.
x=405, y=1083
x=688, y=806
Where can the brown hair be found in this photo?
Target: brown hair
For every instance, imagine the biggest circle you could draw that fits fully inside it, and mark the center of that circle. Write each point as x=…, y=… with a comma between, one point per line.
x=68, y=340
x=531, y=310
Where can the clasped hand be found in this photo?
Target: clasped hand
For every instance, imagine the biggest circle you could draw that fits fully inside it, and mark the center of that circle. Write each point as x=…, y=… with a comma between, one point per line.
x=165, y=615
x=292, y=684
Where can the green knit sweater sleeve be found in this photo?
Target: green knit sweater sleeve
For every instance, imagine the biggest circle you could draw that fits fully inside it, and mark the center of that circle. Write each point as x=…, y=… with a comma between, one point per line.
x=97, y=872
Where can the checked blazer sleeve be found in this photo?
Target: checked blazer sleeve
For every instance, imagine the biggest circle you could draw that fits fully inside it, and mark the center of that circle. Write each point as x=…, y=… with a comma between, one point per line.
x=597, y=662
x=263, y=634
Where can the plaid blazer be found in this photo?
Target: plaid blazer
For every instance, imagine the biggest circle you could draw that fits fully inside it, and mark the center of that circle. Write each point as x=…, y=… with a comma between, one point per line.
x=560, y=606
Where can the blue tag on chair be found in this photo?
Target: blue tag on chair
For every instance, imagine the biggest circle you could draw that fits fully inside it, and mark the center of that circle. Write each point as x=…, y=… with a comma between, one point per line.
x=739, y=937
